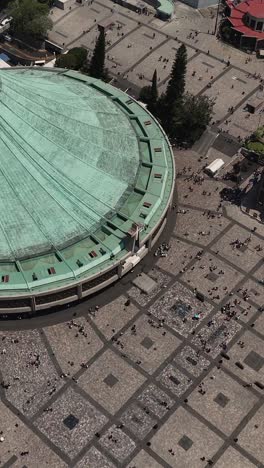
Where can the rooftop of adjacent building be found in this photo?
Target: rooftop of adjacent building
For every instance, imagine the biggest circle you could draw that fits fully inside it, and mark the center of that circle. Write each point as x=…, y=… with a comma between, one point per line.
x=238, y=10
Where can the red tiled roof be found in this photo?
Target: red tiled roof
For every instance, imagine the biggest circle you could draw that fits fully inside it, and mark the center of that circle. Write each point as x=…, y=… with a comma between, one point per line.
x=248, y=32
x=255, y=8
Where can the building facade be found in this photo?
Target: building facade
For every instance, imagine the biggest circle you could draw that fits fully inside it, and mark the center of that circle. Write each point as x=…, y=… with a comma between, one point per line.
x=243, y=24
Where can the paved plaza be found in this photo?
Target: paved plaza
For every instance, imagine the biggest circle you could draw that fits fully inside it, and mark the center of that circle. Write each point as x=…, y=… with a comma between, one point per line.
x=137, y=380
x=139, y=44
x=172, y=377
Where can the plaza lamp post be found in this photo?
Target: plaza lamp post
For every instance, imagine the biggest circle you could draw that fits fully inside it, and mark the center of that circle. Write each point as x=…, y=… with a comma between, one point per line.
x=217, y=16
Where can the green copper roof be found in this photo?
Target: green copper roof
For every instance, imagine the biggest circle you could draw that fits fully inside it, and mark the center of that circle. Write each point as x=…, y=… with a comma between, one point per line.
x=165, y=7
x=78, y=164
x=68, y=157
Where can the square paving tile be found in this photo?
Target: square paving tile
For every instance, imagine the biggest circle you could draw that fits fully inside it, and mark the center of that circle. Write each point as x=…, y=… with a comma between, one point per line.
x=196, y=198
x=147, y=343
x=259, y=274
x=244, y=311
x=243, y=248
x=175, y=380
x=259, y=323
x=212, y=277
x=31, y=385
x=227, y=277
x=155, y=400
x=254, y=360
x=185, y=442
x=83, y=421
x=145, y=331
x=144, y=460
x=239, y=354
x=23, y=445
x=71, y=421
x=255, y=291
x=190, y=225
x=117, y=443
x=110, y=380
x=111, y=397
x=177, y=308
x=232, y=94
x=94, y=459
x=191, y=361
x=221, y=400
x=114, y=316
x=179, y=256
x=137, y=421
x=141, y=40
x=223, y=409
x=181, y=309
x=73, y=343
x=65, y=32
x=182, y=424
x=221, y=331
x=232, y=457
x=204, y=67
x=153, y=60
x=251, y=437
x=246, y=257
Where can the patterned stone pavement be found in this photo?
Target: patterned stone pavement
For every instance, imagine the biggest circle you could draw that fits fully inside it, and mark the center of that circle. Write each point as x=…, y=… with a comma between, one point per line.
x=132, y=380
x=136, y=45
x=160, y=380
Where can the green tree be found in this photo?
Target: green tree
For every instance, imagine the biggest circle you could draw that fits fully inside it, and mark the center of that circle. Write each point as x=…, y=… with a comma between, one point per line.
x=176, y=84
x=190, y=117
x=145, y=94
x=97, y=64
x=171, y=99
x=153, y=94
x=4, y=4
x=75, y=59
x=149, y=94
x=48, y=2
x=30, y=18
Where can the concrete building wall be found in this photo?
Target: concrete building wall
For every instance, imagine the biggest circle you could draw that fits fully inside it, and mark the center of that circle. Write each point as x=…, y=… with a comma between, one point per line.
x=66, y=295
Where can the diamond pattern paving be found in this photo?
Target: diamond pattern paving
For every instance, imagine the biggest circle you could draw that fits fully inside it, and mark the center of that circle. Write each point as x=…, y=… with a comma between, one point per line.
x=146, y=380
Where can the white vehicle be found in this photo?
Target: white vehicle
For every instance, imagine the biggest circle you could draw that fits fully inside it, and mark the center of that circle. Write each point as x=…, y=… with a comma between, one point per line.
x=7, y=21
x=39, y=63
x=214, y=167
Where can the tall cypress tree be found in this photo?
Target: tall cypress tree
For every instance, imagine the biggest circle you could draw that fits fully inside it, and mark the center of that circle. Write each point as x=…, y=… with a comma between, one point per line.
x=154, y=87
x=153, y=94
x=97, y=64
x=176, y=85
x=171, y=101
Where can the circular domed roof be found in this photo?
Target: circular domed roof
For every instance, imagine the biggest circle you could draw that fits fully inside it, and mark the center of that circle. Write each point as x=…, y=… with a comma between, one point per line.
x=69, y=158
x=83, y=169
